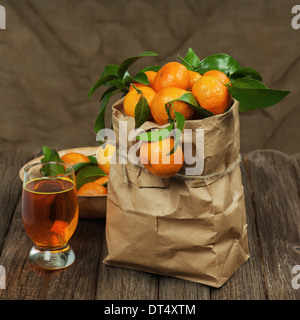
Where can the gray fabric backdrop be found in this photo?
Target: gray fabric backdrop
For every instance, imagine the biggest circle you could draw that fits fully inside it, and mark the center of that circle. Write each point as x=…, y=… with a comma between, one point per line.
x=53, y=51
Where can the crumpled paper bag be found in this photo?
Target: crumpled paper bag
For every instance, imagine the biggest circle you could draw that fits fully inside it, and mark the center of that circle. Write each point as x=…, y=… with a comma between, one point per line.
x=189, y=227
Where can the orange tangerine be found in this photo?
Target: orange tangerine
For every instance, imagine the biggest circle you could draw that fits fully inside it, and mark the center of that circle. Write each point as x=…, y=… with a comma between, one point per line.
x=172, y=74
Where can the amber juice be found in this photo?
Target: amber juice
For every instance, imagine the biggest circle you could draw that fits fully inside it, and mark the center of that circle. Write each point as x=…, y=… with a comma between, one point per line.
x=50, y=211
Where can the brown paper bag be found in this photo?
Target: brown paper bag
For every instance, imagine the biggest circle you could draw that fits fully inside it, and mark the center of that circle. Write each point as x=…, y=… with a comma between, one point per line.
x=189, y=227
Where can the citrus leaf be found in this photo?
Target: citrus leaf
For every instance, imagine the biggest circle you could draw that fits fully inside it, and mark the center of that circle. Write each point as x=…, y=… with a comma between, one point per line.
x=156, y=135
x=151, y=68
x=88, y=174
x=128, y=62
x=246, y=72
x=51, y=169
x=111, y=69
x=141, y=77
x=180, y=121
x=222, y=62
x=80, y=165
x=50, y=155
x=253, y=94
x=191, y=100
x=119, y=83
x=246, y=83
x=191, y=61
x=100, y=121
x=141, y=112
x=93, y=159
x=102, y=80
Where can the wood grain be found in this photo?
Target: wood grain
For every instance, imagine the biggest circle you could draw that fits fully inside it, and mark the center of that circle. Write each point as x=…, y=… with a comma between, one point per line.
x=277, y=215
x=248, y=282
x=116, y=283
x=11, y=161
x=271, y=182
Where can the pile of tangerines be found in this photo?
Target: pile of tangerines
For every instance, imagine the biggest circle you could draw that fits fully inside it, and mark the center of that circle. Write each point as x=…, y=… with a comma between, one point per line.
x=98, y=186
x=169, y=83
x=168, y=96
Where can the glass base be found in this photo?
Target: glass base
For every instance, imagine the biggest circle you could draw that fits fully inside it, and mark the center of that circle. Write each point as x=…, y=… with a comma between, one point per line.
x=51, y=259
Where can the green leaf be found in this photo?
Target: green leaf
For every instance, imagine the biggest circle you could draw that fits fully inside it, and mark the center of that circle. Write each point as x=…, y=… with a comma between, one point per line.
x=141, y=112
x=80, y=165
x=93, y=159
x=246, y=83
x=191, y=100
x=222, y=62
x=156, y=135
x=151, y=68
x=50, y=155
x=51, y=169
x=246, y=72
x=180, y=120
x=88, y=174
x=119, y=83
x=128, y=62
x=102, y=80
x=191, y=61
x=253, y=94
x=100, y=121
x=111, y=69
x=141, y=77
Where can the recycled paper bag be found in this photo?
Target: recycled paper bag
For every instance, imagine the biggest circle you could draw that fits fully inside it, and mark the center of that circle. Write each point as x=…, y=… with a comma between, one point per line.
x=189, y=227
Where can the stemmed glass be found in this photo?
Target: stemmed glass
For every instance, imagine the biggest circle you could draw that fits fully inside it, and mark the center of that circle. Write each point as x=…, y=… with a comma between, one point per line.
x=50, y=213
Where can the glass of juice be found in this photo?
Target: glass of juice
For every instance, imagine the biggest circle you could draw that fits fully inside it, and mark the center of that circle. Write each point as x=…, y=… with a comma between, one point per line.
x=50, y=213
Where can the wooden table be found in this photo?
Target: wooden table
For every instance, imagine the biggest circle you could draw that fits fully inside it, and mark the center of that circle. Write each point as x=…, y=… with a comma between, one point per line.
x=272, y=194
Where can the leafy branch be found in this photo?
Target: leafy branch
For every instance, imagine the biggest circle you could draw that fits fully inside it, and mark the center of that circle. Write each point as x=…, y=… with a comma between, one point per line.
x=118, y=80
x=245, y=83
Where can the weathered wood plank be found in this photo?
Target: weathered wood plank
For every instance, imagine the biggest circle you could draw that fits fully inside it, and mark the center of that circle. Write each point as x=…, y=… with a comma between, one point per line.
x=277, y=216
x=116, y=283
x=79, y=281
x=272, y=196
x=22, y=281
x=296, y=159
x=177, y=289
x=247, y=283
x=11, y=160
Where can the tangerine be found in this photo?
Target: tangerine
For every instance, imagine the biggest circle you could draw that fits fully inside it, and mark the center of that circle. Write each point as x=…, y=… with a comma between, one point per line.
x=164, y=96
x=104, y=156
x=212, y=94
x=156, y=158
x=92, y=189
x=150, y=75
x=194, y=76
x=132, y=98
x=74, y=157
x=102, y=180
x=221, y=76
x=172, y=74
